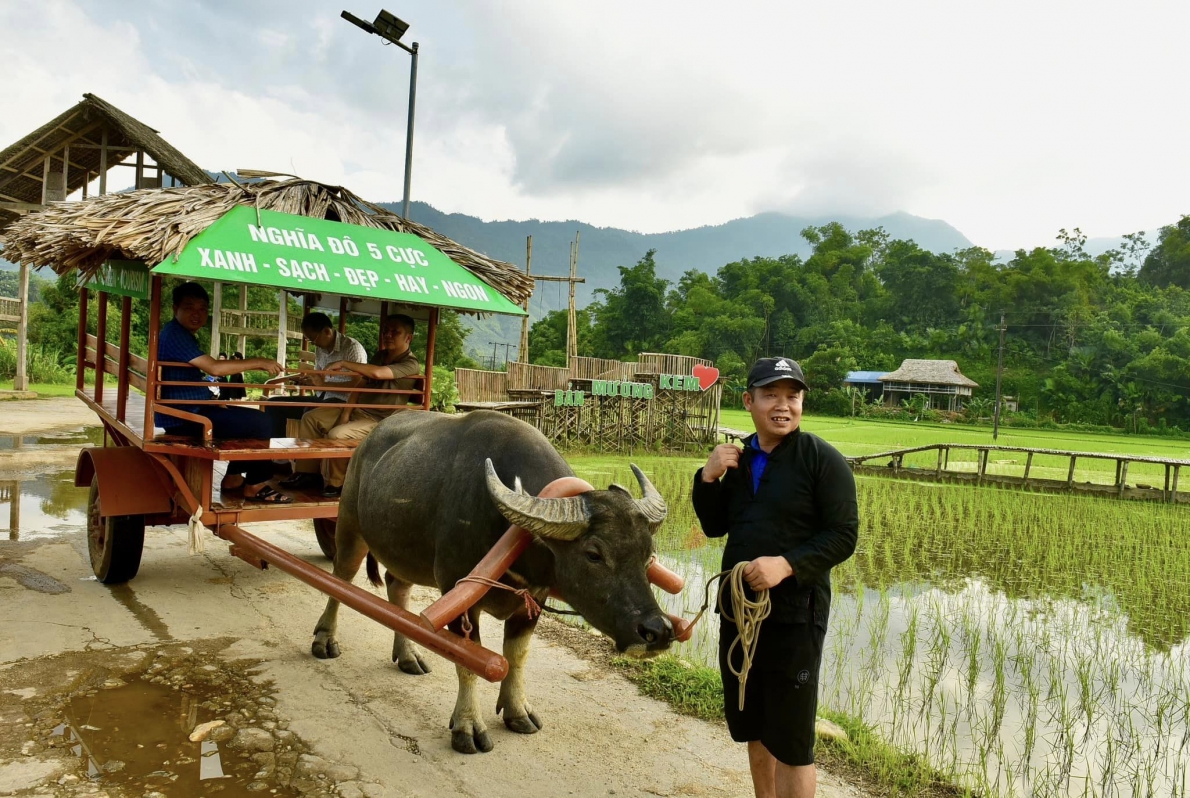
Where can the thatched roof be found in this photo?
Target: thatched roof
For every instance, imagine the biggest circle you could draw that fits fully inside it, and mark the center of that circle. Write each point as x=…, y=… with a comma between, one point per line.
x=155, y=224
x=935, y=372
x=81, y=128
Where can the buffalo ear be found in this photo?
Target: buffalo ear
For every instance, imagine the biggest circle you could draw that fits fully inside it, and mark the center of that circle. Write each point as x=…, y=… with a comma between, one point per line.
x=620, y=488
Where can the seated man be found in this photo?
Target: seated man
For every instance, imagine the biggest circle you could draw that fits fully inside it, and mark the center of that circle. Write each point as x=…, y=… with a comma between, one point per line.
x=177, y=343
x=330, y=346
x=393, y=362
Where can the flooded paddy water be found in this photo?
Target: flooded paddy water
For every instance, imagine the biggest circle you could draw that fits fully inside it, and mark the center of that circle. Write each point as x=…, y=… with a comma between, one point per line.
x=1028, y=644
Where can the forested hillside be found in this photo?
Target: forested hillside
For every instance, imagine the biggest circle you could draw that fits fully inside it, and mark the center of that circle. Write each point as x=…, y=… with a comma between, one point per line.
x=1101, y=340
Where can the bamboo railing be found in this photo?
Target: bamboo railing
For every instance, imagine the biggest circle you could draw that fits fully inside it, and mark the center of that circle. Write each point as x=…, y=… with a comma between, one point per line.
x=475, y=385
x=527, y=377
x=656, y=363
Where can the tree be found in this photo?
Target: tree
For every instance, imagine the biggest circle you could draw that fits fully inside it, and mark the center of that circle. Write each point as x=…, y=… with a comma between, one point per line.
x=1169, y=262
x=633, y=317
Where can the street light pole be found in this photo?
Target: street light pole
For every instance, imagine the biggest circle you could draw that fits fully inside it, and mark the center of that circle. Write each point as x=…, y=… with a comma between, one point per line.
x=391, y=29
x=409, y=132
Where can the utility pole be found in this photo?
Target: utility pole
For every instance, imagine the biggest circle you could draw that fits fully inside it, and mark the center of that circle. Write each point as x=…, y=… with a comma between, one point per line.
x=494, y=345
x=571, y=318
x=523, y=350
x=999, y=375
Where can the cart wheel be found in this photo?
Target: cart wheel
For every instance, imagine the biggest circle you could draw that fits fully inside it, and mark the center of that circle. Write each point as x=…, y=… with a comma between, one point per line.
x=324, y=530
x=114, y=543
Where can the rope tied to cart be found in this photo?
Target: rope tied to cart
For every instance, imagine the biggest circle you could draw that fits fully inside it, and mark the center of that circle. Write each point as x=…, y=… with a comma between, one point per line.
x=749, y=614
x=532, y=608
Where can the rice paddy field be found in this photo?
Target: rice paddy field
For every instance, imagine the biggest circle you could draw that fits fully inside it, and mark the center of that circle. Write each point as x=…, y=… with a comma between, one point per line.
x=1024, y=644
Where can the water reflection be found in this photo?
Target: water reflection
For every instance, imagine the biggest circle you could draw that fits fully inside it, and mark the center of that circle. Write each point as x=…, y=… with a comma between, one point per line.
x=44, y=506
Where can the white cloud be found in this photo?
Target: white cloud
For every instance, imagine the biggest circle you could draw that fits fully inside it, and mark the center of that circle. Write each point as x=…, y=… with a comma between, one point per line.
x=1007, y=119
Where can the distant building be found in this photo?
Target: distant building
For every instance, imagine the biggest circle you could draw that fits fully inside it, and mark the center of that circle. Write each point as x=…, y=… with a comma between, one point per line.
x=868, y=382
x=940, y=381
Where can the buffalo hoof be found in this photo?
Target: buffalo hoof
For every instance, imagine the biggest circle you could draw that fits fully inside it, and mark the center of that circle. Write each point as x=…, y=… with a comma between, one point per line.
x=414, y=665
x=469, y=737
x=324, y=649
x=526, y=724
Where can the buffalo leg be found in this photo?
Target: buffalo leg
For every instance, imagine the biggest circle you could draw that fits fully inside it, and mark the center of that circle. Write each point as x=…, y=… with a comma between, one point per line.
x=404, y=653
x=468, y=732
x=349, y=554
x=518, y=715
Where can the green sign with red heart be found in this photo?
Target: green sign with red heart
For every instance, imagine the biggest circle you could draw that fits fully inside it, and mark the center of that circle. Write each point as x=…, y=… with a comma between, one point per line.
x=700, y=378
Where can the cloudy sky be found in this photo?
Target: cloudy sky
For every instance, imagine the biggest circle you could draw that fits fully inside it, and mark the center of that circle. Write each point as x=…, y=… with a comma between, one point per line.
x=1008, y=119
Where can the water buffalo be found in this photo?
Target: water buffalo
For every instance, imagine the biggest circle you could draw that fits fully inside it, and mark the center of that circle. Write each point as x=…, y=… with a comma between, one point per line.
x=428, y=496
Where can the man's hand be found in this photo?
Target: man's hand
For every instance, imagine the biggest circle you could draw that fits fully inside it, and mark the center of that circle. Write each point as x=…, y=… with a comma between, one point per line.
x=264, y=364
x=338, y=365
x=344, y=417
x=764, y=573
x=723, y=457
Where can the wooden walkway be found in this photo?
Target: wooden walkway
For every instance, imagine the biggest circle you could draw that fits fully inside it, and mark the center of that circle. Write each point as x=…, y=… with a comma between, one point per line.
x=892, y=463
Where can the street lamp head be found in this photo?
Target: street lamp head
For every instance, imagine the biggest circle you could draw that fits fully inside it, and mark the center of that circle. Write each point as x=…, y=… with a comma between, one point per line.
x=389, y=26
x=356, y=21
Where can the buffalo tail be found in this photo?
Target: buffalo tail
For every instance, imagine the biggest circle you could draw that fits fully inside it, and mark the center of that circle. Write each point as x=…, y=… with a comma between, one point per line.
x=374, y=571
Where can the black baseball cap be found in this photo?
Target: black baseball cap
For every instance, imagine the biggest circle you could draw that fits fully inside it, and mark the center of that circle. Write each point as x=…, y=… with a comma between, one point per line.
x=770, y=369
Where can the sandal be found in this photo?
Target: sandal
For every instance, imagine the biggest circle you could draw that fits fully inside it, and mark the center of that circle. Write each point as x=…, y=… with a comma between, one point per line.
x=300, y=481
x=269, y=495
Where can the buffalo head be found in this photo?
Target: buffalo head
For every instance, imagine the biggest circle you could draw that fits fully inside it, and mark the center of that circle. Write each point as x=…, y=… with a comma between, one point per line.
x=602, y=541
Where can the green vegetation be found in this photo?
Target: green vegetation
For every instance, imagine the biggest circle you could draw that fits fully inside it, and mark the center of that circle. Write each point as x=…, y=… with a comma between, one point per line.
x=1005, y=638
x=1101, y=341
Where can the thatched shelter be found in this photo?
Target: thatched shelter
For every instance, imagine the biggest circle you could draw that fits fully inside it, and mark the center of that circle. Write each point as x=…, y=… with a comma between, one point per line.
x=80, y=145
x=64, y=156
x=940, y=381
x=153, y=225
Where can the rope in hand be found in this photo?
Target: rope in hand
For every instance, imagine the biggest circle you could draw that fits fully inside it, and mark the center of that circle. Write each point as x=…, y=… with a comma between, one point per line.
x=750, y=613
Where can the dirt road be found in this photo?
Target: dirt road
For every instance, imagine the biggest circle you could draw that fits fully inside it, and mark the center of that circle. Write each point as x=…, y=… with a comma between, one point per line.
x=114, y=681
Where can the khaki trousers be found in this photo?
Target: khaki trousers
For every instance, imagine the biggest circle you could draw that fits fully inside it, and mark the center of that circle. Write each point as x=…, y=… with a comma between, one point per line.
x=323, y=422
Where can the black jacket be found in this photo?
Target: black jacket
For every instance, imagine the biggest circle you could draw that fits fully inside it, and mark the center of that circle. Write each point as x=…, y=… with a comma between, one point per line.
x=805, y=510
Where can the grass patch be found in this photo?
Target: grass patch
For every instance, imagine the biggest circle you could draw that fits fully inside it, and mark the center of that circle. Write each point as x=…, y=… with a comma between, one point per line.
x=863, y=758
x=43, y=389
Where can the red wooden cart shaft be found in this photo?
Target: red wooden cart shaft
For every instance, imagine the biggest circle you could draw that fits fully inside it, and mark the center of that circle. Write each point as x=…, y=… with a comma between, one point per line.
x=471, y=656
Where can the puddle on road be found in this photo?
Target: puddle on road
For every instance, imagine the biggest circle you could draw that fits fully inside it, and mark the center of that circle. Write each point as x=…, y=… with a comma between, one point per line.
x=137, y=737
x=75, y=438
x=48, y=505
x=130, y=732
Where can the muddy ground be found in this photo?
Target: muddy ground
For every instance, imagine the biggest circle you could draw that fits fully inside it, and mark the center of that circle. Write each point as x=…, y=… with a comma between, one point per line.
x=102, y=688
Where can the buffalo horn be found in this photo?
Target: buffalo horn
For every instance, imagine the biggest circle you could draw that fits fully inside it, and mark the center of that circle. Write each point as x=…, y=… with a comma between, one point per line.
x=558, y=519
x=652, y=505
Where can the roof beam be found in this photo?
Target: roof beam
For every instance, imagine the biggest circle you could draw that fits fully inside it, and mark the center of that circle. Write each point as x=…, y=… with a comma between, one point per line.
x=33, y=144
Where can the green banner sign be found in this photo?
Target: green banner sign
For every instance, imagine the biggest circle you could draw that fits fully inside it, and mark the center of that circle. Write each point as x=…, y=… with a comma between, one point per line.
x=299, y=253
x=120, y=277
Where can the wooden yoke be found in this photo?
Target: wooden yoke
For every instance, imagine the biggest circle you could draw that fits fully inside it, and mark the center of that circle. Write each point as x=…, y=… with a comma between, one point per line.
x=464, y=595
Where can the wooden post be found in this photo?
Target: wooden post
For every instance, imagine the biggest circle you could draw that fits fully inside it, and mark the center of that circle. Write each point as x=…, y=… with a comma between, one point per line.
x=151, y=355
x=80, y=369
x=125, y=358
x=1118, y=464
x=100, y=343
x=431, y=336
x=981, y=465
x=140, y=169
x=21, y=379
x=14, y=510
x=1165, y=490
x=65, y=172
x=342, y=315
x=103, y=163
x=1123, y=479
x=216, y=319
x=523, y=350
x=938, y=469
x=571, y=317
x=243, y=346
x=1028, y=466
x=282, y=324
x=1173, y=487
x=1070, y=476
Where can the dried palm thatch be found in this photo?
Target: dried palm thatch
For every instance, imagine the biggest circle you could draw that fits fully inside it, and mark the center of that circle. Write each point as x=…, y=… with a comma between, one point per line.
x=153, y=225
x=935, y=372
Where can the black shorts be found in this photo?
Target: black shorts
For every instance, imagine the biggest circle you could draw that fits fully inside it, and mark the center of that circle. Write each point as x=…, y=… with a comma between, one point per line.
x=781, y=695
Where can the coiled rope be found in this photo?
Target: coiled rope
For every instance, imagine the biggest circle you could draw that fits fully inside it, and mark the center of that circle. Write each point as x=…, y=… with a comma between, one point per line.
x=747, y=617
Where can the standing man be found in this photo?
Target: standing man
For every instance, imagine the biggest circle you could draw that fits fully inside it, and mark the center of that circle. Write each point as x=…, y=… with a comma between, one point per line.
x=330, y=346
x=786, y=503
x=176, y=342
x=390, y=369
